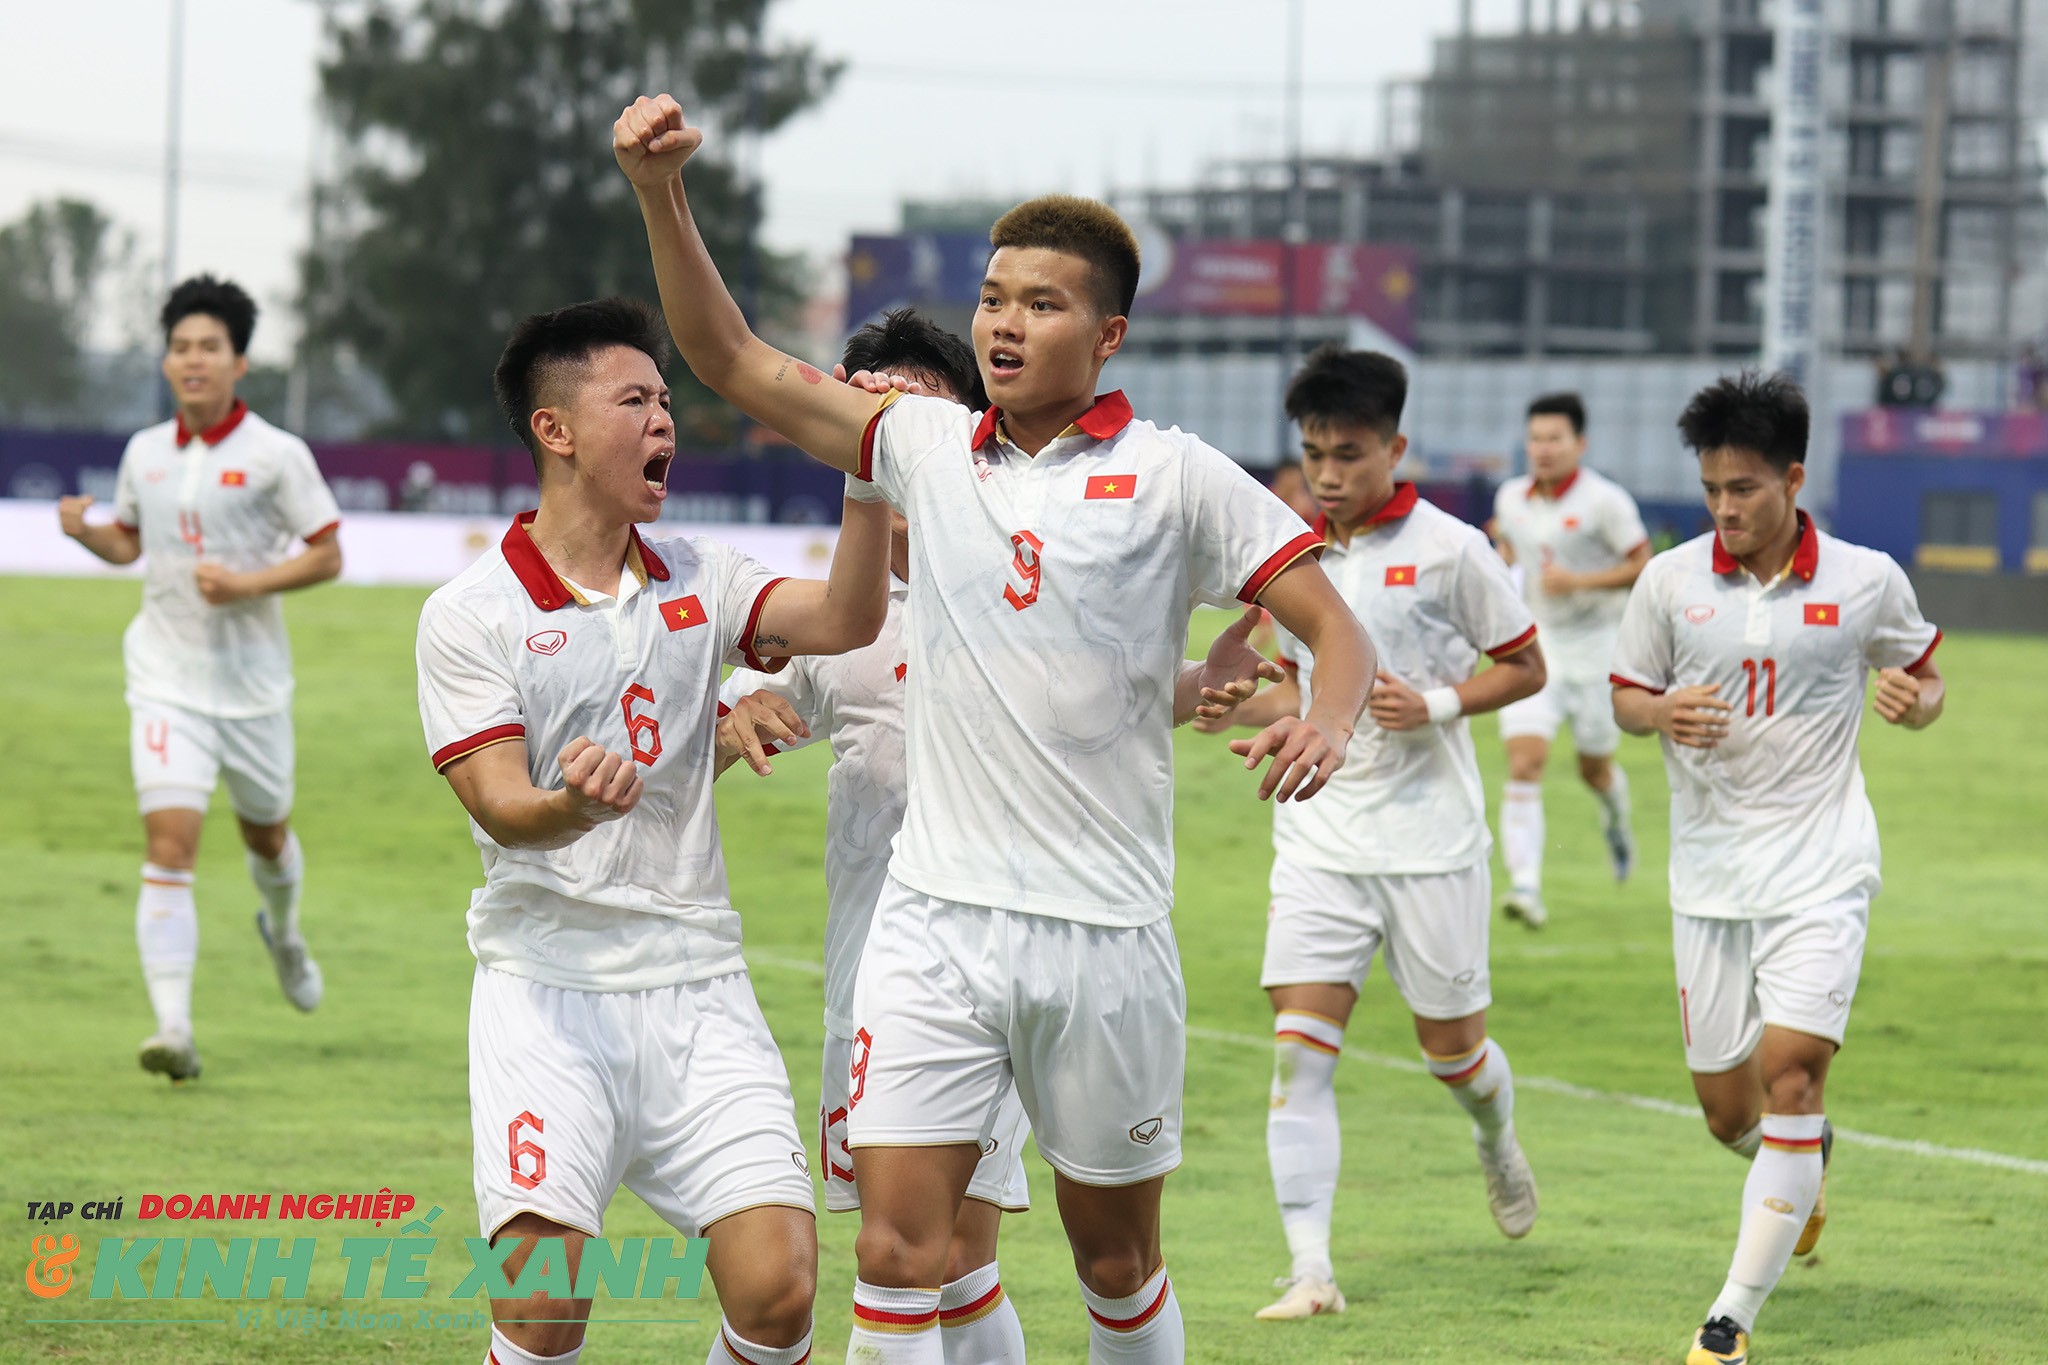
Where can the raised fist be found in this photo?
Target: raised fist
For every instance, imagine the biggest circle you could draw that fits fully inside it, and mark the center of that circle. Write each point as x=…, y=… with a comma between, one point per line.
x=651, y=141
x=71, y=514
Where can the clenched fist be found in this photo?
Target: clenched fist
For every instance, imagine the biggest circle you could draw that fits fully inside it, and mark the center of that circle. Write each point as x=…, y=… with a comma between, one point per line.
x=71, y=514
x=651, y=142
x=600, y=785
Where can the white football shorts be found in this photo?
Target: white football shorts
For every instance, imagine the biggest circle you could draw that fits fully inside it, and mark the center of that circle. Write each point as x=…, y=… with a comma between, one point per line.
x=177, y=755
x=958, y=1002
x=677, y=1093
x=1586, y=705
x=1324, y=928
x=998, y=1177
x=1792, y=971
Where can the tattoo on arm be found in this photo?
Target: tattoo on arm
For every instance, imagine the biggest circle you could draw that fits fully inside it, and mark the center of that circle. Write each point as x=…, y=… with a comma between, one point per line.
x=771, y=641
x=782, y=370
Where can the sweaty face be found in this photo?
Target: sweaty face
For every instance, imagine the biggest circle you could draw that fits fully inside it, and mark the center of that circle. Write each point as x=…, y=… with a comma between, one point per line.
x=1349, y=467
x=1038, y=336
x=200, y=363
x=1752, y=503
x=614, y=413
x=1554, y=448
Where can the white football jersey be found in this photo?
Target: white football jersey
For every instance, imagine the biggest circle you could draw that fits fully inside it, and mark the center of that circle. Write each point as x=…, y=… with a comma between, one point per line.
x=1049, y=605
x=1773, y=820
x=1434, y=597
x=510, y=650
x=854, y=703
x=1590, y=524
x=239, y=494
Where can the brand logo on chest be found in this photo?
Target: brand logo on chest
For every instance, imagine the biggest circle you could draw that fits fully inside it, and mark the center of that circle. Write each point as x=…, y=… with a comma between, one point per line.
x=547, y=642
x=1699, y=615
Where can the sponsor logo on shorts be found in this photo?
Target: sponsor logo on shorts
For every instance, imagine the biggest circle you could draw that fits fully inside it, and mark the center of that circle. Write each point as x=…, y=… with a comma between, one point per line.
x=801, y=1162
x=988, y=1148
x=1145, y=1132
x=1837, y=999
x=547, y=642
x=1777, y=1205
x=1464, y=978
x=1700, y=614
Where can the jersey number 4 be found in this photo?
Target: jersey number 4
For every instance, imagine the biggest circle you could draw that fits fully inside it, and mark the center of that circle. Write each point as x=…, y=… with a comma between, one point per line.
x=1027, y=568
x=1767, y=669
x=643, y=731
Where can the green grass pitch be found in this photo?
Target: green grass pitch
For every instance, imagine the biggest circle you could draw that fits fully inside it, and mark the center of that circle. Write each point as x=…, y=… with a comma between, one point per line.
x=1928, y=1257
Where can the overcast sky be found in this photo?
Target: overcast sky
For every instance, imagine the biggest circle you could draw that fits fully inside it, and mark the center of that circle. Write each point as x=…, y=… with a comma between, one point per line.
x=965, y=97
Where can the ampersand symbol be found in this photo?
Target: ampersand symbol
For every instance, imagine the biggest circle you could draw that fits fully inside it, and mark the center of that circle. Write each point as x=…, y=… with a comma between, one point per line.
x=49, y=1264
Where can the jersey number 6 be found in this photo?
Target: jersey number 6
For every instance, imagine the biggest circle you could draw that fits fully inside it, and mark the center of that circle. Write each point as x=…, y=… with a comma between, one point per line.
x=1028, y=569
x=643, y=731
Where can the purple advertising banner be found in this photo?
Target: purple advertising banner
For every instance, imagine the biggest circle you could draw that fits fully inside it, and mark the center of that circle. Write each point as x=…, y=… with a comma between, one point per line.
x=390, y=476
x=1920, y=431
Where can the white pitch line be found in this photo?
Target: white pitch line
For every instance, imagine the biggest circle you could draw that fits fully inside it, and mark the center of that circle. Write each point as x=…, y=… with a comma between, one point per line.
x=1975, y=1156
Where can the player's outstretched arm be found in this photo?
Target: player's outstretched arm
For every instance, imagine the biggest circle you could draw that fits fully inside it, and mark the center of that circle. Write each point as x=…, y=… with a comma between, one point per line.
x=111, y=541
x=843, y=611
x=494, y=788
x=1211, y=688
x=1397, y=706
x=1307, y=751
x=1914, y=699
x=317, y=563
x=651, y=141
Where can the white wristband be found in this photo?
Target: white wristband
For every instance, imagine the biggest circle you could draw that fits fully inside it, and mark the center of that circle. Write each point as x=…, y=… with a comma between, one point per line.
x=860, y=490
x=1443, y=705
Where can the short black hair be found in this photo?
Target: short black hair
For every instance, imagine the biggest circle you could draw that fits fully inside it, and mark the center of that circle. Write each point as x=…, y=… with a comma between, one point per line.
x=222, y=299
x=1074, y=226
x=1336, y=385
x=542, y=348
x=1565, y=405
x=906, y=339
x=1749, y=411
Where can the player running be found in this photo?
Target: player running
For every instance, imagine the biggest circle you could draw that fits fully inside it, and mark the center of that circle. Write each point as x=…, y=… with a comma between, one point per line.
x=1748, y=651
x=1580, y=543
x=217, y=498
x=1394, y=852
x=568, y=685
x=1023, y=934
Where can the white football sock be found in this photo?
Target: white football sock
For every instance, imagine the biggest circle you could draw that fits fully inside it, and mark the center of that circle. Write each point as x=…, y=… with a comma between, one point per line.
x=504, y=1352
x=167, y=933
x=1521, y=835
x=977, y=1322
x=730, y=1348
x=278, y=880
x=1614, y=801
x=1304, y=1142
x=1747, y=1145
x=1144, y=1328
x=1777, y=1198
x=894, y=1327
x=1483, y=1086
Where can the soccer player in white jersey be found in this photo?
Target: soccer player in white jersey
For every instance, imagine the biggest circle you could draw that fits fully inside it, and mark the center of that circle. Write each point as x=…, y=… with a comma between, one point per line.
x=1393, y=854
x=218, y=499
x=1748, y=651
x=1023, y=934
x=568, y=689
x=1580, y=543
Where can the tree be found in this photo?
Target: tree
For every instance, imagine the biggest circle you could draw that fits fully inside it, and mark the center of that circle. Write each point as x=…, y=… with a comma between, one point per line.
x=53, y=261
x=478, y=186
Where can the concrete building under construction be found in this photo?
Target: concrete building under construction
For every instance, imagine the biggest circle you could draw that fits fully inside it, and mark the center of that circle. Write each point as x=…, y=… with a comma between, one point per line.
x=1593, y=182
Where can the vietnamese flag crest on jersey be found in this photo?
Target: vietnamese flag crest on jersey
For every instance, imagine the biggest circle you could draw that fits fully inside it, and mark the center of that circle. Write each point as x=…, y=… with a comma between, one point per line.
x=1112, y=486
x=1823, y=614
x=1400, y=575
x=233, y=478
x=683, y=613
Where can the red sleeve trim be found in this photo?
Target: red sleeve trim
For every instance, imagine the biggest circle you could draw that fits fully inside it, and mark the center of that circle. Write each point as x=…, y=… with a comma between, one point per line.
x=329, y=529
x=1307, y=543
x=483, y=739
x=1617, y=680
x=1286, y=662
x=1520, y=642
x=1921, y=662
x=131, y=530
x=755, y=661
